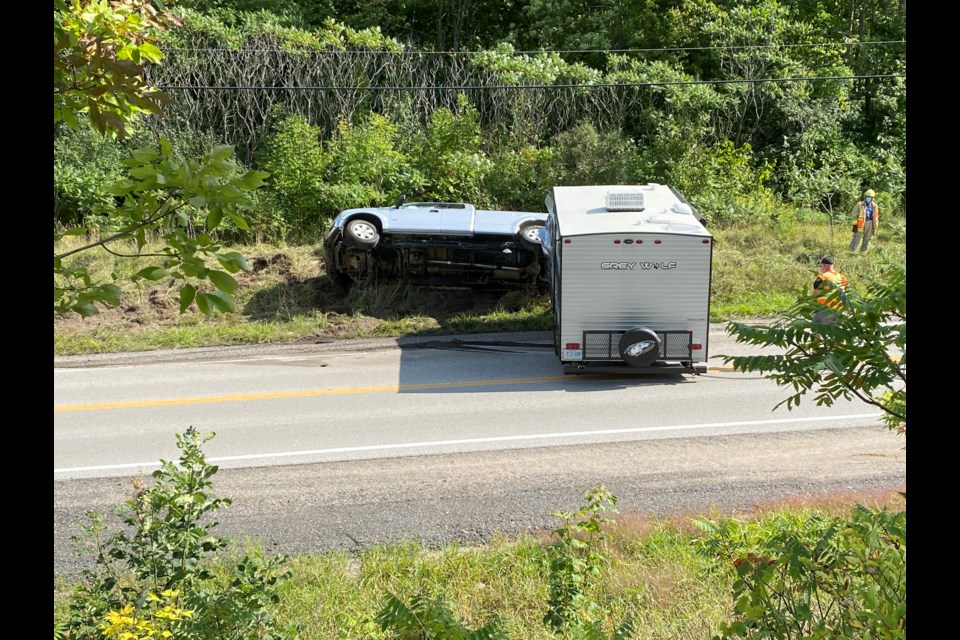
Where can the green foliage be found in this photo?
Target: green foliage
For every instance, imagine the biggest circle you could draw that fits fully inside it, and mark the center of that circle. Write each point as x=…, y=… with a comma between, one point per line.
x=863, y=355
x=165, y=547
x=542, y=68
x=726, y=209
x=522, y=177
x=274, y=24
x=588, y=156
x=825, y=181
x=173, y=198
x=577, y=560
x=816, y=577
x=808, y=140
x=367, y=152
x=295, y=159
x=450, y=156
x=569, y=24
x=85, y=164
x=100, y=52
x=367, y=166
x=429, y=618
x=716, y=177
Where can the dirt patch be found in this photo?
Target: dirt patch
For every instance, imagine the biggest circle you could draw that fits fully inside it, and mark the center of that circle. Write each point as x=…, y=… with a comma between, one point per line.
x=141, y=310
x=273, y=291
x=280, y=261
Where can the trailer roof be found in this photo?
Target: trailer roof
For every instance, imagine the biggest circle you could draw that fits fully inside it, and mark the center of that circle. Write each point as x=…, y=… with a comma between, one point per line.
x=589, y=210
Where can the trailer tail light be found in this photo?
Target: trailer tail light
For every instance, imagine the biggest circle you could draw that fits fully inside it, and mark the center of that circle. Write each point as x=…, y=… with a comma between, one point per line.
x=572, y=345
x=656, y=242
x=567, y=241
x=616, y=242
x=639, y=241
x=706, y=242
x=696, y=346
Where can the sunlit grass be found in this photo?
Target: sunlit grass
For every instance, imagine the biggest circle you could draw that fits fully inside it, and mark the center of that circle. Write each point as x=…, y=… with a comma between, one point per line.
x=654, y=574
x=758, y=270
x=190, y=335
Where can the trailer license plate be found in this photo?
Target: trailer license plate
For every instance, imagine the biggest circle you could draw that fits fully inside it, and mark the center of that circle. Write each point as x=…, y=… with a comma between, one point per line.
x=573, y=354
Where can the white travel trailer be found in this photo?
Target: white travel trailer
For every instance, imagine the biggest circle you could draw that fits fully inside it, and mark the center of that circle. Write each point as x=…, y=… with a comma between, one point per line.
x=629, y=272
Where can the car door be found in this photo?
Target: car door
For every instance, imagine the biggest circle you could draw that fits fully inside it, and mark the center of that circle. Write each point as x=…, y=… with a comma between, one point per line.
x=457, y=219
x=417, y=218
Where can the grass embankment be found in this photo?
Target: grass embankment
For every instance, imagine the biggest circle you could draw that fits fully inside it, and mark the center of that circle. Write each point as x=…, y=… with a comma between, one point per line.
x=653, y=573
x=286, y=297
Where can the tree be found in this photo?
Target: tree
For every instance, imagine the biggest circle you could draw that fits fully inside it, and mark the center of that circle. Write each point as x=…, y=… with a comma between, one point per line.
x=101, y=51
x=863, y=355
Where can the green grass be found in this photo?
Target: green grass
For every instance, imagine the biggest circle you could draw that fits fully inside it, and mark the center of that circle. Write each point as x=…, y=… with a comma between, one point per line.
x=190, y=335
x=758, y=271
x=654, y=574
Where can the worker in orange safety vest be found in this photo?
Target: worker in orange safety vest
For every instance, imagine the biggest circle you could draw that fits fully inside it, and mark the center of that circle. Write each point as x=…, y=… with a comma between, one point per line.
x=867, y=213
x=827, y=280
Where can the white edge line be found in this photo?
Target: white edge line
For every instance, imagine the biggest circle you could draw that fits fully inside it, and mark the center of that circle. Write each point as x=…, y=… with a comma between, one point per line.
x=441, y=443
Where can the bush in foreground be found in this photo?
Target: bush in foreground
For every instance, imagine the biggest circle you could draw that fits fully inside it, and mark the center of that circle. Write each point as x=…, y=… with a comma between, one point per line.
x=156, y=577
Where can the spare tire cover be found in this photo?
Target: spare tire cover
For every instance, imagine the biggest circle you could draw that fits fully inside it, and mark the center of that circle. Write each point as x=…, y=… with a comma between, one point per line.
x=640, y=347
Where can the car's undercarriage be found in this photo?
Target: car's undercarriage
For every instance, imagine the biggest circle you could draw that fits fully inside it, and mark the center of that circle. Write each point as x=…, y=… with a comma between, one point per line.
x=476, y=261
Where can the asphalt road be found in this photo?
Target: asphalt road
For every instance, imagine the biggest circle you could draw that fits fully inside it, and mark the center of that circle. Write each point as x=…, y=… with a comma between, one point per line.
x=346, y=445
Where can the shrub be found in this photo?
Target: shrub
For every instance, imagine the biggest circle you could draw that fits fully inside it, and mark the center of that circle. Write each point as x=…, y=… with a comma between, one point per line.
x=521, y=178
x=296, y=161
x=815, y=577
x=85, y=164
x=367, y=168
x=367, y=153
x=577, y=560
x=430, y=619
x=588, y=156
x=158, y=563
x=450, y=156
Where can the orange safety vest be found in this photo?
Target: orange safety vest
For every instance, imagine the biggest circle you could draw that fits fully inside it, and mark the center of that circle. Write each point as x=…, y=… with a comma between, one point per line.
x=861, y=207
x=831, y=279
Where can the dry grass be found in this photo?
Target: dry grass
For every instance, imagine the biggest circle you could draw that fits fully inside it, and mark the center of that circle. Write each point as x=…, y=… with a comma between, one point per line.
x=287, y=296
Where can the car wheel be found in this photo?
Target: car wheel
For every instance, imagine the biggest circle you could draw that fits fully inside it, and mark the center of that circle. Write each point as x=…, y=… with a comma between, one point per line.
x=640, y=347
x=530, y=236
x=361, y=233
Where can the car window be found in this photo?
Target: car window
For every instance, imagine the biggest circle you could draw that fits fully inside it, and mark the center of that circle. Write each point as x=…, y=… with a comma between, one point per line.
x=433, y=205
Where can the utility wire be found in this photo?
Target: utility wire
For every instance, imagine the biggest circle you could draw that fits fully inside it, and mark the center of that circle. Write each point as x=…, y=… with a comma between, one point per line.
x=548, y=51
x=531, y=86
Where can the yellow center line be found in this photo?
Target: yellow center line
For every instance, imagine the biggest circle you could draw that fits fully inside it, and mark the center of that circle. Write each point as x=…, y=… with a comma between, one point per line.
x=244, y=397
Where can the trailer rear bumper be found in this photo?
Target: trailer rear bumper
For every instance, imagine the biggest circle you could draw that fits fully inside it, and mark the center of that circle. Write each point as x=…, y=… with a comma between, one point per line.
x=622, y=368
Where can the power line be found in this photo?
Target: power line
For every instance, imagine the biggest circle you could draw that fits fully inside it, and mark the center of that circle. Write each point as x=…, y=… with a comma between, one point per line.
x=530, y=86
x=542, y=51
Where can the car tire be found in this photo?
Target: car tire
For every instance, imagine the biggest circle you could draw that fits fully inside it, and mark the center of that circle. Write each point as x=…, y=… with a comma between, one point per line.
x=529, y=235
x=640, y=347
x=361, y=233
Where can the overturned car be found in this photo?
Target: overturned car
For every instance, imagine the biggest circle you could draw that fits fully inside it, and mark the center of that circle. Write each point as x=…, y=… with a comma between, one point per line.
x=437, y=243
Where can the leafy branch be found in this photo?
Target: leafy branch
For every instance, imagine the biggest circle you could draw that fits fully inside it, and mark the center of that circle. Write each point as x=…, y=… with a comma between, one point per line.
x=101, y=50
x=862, y=356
